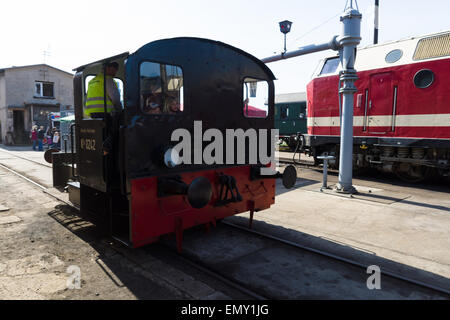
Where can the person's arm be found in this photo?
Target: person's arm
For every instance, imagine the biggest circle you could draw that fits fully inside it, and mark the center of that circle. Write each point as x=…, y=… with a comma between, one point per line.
x=113, y=93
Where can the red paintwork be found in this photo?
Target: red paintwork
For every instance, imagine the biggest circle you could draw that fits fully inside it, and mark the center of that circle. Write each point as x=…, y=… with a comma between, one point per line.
x=152, y=217
x=401, y=132
x=322, y=93
x=251, y=111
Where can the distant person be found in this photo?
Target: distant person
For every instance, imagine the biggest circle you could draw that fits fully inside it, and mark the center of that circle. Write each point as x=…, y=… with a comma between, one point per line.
x=34, y=137
x=153, y=102
x=152, y=105
x=173, y=105
x=56, y=140
x=49, y=136
x=40, y=136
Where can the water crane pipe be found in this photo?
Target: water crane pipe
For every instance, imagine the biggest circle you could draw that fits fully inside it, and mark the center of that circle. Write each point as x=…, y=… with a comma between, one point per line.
x=346, y=44
x=333, y=44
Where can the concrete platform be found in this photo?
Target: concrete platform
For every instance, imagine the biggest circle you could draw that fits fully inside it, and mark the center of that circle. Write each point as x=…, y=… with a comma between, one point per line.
x=398, y=227
x=27, y=162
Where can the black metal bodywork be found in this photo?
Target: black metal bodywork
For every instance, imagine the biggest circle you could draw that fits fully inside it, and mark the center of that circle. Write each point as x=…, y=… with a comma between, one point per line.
x=213, y=76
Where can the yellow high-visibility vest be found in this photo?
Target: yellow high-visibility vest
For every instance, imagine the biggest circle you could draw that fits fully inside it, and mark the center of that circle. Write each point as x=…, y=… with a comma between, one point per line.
x=95, y=97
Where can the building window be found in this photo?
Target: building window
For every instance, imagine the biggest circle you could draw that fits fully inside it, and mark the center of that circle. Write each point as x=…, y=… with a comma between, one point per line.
x=43, y=89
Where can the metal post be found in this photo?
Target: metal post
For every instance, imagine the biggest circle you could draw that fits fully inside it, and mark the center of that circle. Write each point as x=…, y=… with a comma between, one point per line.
x=349, y=39
x=325, y=159
x=375, y=22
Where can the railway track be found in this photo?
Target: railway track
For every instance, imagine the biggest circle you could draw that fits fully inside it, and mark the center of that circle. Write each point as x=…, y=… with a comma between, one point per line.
x=28, y=159
x=228, y=280
x=338, y=258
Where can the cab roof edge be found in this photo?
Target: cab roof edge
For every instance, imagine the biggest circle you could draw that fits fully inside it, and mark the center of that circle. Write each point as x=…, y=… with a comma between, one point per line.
x=119, y=56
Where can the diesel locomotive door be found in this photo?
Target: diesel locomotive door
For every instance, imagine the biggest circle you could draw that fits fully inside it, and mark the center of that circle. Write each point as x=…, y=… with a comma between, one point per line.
x=381, y=96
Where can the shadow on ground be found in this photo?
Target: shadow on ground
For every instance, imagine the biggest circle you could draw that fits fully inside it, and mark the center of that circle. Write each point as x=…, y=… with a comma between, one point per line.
x=122, y=271
x=97, y=237
x=359, y=255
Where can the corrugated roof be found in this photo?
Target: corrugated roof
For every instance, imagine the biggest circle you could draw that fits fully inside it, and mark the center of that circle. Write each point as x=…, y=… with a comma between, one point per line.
x=290, y=97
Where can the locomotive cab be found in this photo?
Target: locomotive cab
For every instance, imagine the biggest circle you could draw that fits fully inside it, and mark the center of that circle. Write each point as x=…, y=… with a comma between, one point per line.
x=175, y=90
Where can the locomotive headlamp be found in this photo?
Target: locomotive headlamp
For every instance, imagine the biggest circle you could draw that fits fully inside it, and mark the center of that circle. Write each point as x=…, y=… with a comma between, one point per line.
x=171, y=158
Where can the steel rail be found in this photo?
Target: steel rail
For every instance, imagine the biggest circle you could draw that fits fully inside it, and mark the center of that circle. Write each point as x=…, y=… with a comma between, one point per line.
x=42, y=164
x=23, y=177
x=215, y=274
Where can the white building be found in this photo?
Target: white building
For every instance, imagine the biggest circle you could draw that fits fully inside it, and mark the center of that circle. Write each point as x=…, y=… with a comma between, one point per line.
x=27, y=95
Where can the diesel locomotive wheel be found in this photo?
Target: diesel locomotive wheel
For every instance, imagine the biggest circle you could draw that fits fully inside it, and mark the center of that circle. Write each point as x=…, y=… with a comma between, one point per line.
x=411, y=173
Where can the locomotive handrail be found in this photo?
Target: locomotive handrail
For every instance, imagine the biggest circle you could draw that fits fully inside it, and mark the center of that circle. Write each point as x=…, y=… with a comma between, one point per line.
x=121, y=161
x=72, y=153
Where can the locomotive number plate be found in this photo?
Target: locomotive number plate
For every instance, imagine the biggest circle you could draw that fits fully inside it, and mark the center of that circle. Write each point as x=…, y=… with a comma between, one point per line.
x=87, y=144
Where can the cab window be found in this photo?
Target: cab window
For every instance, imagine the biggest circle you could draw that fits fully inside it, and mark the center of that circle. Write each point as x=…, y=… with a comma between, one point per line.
x=161, y=88
x=256, y=97
x=330, y=65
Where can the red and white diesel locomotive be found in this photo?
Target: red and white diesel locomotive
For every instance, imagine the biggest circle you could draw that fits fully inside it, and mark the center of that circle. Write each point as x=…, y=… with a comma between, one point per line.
x=402, y=108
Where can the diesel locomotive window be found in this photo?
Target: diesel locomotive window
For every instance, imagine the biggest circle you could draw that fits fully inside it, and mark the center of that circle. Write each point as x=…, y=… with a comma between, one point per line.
x=284, y=112
x=161, y=88
x=256, y=95
x=330, y=65
x=393, y=56
x=423, y=78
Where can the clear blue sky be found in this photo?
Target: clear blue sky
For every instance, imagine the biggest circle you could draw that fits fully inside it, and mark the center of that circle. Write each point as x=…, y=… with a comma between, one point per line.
x=78, y=32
